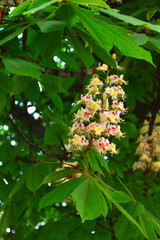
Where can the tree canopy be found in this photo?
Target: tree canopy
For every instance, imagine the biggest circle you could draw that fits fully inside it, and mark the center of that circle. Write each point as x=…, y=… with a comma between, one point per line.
x=62, y=64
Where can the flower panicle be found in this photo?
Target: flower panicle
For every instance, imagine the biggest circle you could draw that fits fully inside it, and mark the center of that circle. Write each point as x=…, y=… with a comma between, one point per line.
x=99, y=118
x=148, y=149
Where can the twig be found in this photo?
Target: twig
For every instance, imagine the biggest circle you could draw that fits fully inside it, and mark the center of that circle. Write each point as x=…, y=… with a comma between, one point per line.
x=30, y=142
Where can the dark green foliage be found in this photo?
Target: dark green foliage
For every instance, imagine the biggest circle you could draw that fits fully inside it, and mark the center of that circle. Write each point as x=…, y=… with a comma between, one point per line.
x=48, y=53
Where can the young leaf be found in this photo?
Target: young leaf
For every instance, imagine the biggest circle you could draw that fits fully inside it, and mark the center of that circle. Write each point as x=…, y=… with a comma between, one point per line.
x=58, y=175
x=60, y=192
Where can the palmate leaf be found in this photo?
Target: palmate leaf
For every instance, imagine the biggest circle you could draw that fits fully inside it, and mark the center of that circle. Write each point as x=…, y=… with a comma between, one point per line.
x=90, y=202
x=121, y=209
x=60, y=192
x=108, y=35
x=94, y=29
x=124, y=43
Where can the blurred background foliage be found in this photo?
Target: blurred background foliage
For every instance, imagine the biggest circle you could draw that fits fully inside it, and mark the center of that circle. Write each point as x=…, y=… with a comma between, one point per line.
x=48, y=52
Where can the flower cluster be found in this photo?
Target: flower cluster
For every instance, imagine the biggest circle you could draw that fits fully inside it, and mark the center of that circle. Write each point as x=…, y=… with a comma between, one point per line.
x=149, y=146
x=100, y=114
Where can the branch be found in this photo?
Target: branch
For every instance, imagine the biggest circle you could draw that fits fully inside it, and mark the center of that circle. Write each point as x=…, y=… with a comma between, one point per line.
x=30, y=142
x=101, y=225
x=27, y=119
x=33, y=158
x=64, y=73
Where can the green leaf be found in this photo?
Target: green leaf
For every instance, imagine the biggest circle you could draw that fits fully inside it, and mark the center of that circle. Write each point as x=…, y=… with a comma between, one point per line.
x=155, y=222
x=93, y=163
x=123, y=211
x=102, y=160
x=147, y=227
x=20, y=8
x=51, y=135
x=139, y=38
x=68, y=60
x=32, y=92
x=99, y=51
x=57, y=101
x=60, y=193
x=94, y=29
x=50, y=26
x=12, y=35
x=20, y=84
x=52, y=84
x=35, y=176
x=66, y=13
x=98, y=3
x=90, y=202
x=42, y=6
x=52, y=42
x=124, y=43
x=6, y=83
x=17, y=186
x=3, y=100
x=83, y=53
x=155, y=42
x=124, y=229
x=131, y=20
x=58, y=175
x=121, y=197
x=22, y=67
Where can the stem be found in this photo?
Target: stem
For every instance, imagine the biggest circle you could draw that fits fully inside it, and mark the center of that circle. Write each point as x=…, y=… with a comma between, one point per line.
x=88, y=148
